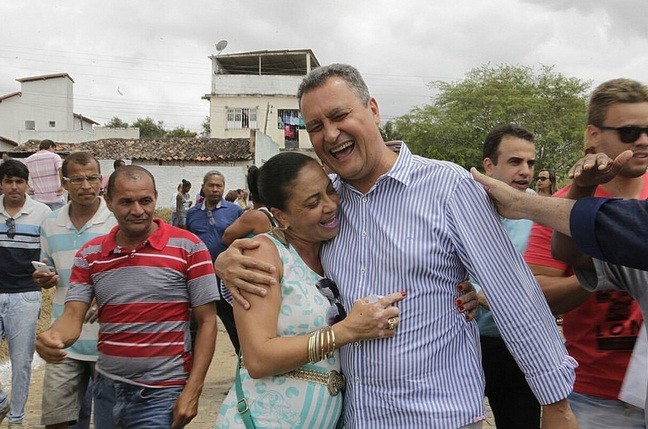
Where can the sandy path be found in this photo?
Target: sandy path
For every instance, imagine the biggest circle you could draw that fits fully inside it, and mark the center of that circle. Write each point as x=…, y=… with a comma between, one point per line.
x=219, y=379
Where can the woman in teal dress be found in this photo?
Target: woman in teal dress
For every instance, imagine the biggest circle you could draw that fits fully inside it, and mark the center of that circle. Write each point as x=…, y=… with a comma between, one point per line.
x=290, y=367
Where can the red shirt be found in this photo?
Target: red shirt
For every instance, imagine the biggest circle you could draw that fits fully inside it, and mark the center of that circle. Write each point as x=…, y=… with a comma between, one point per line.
x=601, y=332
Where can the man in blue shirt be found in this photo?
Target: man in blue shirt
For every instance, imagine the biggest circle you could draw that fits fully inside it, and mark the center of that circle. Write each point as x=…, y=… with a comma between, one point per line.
x=208, y=221
x=508, y=156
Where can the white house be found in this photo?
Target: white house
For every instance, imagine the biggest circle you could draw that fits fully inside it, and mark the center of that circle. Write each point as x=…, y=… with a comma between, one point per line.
x=44, y=109
x=258, y=90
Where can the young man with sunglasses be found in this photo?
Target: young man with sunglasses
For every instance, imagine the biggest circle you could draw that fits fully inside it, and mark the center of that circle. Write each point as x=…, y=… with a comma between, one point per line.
x=208, y=221
x=20, y=297
x=63, y=232
x=600, y=328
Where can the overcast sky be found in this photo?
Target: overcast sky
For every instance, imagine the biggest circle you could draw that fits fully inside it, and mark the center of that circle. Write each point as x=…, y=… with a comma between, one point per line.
x=150, y=58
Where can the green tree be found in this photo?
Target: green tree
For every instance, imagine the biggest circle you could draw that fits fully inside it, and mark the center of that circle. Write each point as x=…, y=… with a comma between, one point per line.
x=115, y=122
x=206, y=127
x=149, y=129
x=181, y=132
x=550, y=105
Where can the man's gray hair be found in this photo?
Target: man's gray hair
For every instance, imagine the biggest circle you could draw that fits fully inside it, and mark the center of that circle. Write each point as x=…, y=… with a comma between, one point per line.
x=349, y=74
x=213, y=173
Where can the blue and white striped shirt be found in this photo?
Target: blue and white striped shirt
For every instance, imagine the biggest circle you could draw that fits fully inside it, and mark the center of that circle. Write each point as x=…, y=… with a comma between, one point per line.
x=425, y=226
x=60, y=240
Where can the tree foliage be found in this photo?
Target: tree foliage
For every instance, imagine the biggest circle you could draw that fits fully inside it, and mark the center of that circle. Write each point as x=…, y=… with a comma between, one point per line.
x=552, y=106
x=181, y=132
x=149, y=129
x=206, y=127
x=115, y=122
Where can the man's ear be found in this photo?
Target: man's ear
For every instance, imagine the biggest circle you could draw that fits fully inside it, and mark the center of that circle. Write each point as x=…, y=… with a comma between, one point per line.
x=488, y=164
x=592, y=138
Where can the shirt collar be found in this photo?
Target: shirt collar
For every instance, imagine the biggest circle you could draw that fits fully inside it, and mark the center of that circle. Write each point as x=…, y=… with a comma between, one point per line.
x=158, y=240
x=203, y=207
x=102, y=214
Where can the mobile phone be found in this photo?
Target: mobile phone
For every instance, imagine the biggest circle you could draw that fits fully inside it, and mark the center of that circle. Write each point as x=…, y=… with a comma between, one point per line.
x=44, y=268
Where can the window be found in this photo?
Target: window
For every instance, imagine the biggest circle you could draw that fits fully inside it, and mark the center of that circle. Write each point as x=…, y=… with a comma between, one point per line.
x=30, y=125
x=241, y=118
x=291, y=122
x=52, y=124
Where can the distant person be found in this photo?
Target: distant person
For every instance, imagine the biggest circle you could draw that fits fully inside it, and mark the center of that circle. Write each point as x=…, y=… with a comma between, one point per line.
x=509, y=156
x=45, y=175
x=118, y=163
x=208, y=221
x=5, y=157
x=63, y=232
x=546, y=182
x=242, y=200
x=147, y=277
x=182, y=204
x=20, y=297
x=231, y=196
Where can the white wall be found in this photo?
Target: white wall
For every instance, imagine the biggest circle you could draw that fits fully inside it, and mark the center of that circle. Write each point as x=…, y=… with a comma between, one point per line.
x=167, y=178
x=116, y=133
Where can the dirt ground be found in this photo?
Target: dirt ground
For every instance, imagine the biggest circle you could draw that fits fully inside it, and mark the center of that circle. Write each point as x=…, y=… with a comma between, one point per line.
x=219, y=379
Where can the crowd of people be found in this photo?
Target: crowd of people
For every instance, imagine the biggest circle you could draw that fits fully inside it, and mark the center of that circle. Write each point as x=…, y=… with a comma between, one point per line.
x=345, y=298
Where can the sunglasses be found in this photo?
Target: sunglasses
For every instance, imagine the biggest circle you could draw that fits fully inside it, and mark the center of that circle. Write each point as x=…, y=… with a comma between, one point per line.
x=542, y=179
x=329, y=289
x=11, y=227
x=629, y=133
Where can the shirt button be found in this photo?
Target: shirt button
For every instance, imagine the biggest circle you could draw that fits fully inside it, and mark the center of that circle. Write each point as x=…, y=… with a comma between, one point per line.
x=364, y=199
x=357, y=379
x=362, y=270
x=364, y=233
x=356, y=344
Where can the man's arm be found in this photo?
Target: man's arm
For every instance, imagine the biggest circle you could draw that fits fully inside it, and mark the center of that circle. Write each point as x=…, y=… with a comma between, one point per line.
x=63, y=333
x=513, y=204
x=186, y=406
x=562, y=293
x=558, y=416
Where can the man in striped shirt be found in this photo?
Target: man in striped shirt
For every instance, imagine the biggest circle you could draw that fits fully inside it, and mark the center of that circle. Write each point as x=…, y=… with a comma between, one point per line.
x=63, y=232
x=429, y=374
x=20, y=297
x=147, y=278
x=44, y=171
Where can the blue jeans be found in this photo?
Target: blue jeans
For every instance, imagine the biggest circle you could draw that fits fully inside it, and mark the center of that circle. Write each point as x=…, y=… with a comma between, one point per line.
x=18, y=318
x=136, y=407
x=597, y=413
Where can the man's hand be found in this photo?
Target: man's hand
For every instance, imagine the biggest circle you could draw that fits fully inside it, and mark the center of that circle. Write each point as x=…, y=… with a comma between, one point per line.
x=467, y=303
x=238, y=271
x=50, y=347
x=92, y=315
x=597, y=168
x=45, y=280
x=558, y=416
x=185, y=408
x=508, y=200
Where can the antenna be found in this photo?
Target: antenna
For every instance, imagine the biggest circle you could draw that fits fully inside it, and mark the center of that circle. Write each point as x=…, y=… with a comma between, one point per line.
x=221, y=45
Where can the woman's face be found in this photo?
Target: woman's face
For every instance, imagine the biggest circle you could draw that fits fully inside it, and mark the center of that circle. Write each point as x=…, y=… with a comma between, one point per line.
x=311, y=211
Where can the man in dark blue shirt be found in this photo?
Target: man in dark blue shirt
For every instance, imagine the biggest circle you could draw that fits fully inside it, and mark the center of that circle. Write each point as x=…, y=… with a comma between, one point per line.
x=208, y=221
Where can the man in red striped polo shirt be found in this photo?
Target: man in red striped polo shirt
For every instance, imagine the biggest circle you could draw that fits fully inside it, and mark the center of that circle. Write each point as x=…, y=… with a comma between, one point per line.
x=147, y=278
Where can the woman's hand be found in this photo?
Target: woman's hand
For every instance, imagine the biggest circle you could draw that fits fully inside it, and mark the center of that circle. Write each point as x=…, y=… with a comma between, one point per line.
x=371, y=317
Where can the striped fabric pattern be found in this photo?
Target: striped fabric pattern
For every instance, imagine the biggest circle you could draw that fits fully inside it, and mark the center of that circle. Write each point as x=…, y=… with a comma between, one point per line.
x=44, y=176
x=17, y=253
x=60, y=240
x=144, y=297
x=424, y=227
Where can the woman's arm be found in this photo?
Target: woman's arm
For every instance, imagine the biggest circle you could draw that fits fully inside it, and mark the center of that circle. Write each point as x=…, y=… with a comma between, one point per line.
x=250, y=222
x=266, y=354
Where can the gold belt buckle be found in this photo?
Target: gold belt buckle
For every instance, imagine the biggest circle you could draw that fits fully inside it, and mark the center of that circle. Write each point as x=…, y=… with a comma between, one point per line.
x=336, y=382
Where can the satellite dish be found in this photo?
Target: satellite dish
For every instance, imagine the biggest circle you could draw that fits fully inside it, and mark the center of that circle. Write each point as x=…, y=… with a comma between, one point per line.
x=221, y=45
